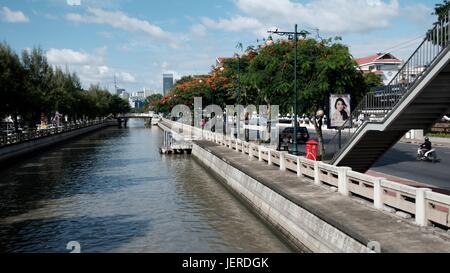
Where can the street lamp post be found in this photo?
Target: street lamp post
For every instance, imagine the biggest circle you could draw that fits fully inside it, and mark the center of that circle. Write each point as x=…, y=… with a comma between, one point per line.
x=295, y=34
x=239, y=46
x=239, y=98
x=238, y=121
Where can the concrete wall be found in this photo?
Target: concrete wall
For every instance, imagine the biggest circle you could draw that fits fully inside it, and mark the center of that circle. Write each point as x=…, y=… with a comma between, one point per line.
x=14, y=151
x=298, y=226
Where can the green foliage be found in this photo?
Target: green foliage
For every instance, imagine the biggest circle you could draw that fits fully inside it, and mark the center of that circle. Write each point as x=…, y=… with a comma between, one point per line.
x=266, y=76
x=323, y=67
x=372, y=80
x=441, y=10
x=151, y=101
x=29, y=87
x=11, y=82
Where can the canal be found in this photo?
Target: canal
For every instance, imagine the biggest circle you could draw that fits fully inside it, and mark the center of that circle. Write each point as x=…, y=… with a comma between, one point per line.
x=112, y=191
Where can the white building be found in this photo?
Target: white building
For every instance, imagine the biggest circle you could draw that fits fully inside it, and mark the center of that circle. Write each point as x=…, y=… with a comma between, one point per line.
x=148, y=93
x=385, y=65
x=124, y=95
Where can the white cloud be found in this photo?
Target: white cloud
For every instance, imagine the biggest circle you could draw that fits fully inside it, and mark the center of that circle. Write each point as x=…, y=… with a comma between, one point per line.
x=74, y=2
x=126, y=77
x=198, y=30
x=236, y=23
x=164, y=65
x=11, y=16
x=91, y=68
x=120, y=20
x=106, y=34
x=66, y=56
x=330, y=16
x=419, y=14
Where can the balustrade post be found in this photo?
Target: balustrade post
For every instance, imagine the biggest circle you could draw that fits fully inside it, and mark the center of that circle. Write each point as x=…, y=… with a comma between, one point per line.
x=342, y=180
x=421, y=207
x=282, y=161
x=269, y=157
x=260, y=153
x=377, y=193
x=317, y=173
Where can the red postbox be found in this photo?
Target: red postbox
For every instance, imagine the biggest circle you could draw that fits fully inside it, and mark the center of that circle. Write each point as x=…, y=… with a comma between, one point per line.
x=312, y=150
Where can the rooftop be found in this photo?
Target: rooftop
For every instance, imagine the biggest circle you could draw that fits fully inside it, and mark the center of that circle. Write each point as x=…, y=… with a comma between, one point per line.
x=378, y=58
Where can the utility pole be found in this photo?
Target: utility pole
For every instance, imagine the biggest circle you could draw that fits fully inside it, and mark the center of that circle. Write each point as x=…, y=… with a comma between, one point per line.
x=239, y=46
x=295, y=35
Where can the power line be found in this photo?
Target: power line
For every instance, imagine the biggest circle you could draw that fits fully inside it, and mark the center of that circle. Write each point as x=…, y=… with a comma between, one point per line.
x=404, y=47
x=403, y=43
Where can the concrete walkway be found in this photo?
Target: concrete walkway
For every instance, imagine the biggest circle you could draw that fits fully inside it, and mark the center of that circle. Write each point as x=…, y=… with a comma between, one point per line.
x=360, y=221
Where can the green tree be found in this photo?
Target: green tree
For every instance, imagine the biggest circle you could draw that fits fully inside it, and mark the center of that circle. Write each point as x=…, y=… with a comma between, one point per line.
x=151, y=101
x=324, y=67
x=12, y=90
x=441, y=10
x=372, y=81
x=38, y=79
x=118, y=105
x=101, y=100
x=267, y=77
x=31, y=87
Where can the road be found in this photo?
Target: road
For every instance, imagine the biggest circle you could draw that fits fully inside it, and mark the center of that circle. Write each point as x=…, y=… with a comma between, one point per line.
x=401, y=161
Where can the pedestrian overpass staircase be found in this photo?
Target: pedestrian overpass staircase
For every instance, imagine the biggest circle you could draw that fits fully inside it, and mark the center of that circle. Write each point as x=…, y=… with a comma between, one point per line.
x=417, y=97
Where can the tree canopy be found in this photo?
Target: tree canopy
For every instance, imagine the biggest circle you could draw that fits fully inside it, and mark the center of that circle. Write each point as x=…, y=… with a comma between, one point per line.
x=30, y=87
x=442, y=9
x=267, y=77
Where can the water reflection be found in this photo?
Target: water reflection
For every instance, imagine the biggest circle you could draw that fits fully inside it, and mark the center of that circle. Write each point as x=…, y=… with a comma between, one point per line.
x=113, y=192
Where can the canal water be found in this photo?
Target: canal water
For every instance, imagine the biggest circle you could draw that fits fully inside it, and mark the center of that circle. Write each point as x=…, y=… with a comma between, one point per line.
x=112, y=191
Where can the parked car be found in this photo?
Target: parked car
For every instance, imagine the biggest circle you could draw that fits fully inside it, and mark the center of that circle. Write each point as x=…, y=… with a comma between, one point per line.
x=302, y=134
x=286, y=137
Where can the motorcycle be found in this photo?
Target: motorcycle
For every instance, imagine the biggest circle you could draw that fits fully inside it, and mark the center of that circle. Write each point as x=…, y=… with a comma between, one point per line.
x=429, y=156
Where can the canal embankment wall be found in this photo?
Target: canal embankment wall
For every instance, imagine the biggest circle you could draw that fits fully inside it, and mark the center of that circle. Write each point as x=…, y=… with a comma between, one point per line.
x=10, y=153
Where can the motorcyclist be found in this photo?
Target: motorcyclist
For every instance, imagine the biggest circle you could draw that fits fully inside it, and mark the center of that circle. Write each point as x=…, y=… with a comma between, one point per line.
x=425, y=147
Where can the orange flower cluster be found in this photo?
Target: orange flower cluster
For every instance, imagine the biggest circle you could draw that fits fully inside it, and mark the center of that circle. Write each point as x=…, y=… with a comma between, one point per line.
x=165, y=100
x=197, y=86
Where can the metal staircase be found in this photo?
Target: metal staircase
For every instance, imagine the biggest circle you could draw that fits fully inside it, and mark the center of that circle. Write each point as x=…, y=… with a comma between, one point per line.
x=416, y=98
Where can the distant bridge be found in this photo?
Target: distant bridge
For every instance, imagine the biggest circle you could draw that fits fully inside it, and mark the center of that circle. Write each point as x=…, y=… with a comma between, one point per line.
x=123, y=118
x=135, y=115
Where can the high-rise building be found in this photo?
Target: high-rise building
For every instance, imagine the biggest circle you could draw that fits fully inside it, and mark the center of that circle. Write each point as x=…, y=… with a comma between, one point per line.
x=148, y=93
x=167, y=83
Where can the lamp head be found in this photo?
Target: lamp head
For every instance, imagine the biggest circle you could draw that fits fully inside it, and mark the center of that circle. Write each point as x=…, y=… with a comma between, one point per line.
x=320, y=113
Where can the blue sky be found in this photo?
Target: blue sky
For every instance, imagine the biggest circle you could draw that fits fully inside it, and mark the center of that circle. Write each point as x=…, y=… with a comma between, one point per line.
x=139, y=40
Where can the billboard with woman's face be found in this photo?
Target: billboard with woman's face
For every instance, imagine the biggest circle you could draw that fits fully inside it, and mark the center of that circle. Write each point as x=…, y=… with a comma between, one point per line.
x=340, y=111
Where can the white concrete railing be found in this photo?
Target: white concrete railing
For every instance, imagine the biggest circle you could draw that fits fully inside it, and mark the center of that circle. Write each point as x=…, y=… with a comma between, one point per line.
x=426, y=206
